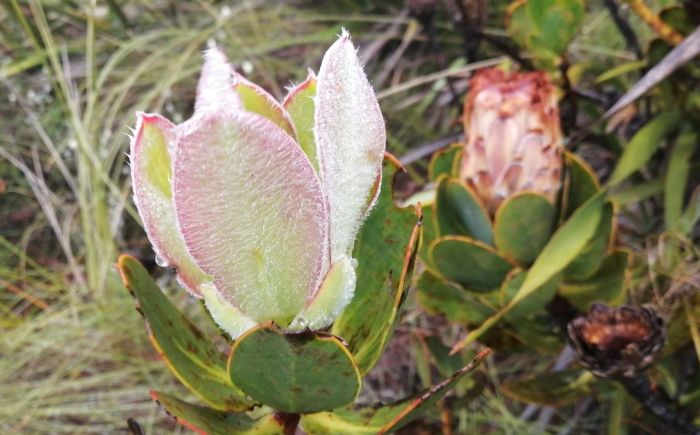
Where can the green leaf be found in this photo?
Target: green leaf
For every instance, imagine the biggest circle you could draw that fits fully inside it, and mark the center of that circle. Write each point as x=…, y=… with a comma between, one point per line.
x=621, y=69
x=470, y=263
x=385, y=249
x=679, y=323
x=550, y=389
x=566, y=243
x=537, y=334
x=522, y=227
x=445, y=162
x=294, y=373
x=580, y=183
x=692, y=213
x=591, y=257
x=545, y=27
x=676, y=178
x=438, y=296
x=643, y=145
x=194, y=359
x=429, y=232
x=446, y=363
x=386, y=418
x=532, y=303
x=209, y=421
x=606, y=285
x=459, y=212
x=630, y=194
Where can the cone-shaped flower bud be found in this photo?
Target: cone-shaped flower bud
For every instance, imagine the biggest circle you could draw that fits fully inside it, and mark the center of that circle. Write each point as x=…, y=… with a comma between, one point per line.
x=617, y=341
x=257, y=203
x=513, y=137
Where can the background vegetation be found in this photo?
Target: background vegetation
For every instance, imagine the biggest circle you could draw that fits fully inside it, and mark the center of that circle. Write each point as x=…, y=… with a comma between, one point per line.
x=74, y=357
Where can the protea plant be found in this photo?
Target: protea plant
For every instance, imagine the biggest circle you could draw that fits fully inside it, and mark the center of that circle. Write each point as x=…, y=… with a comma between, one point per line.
x=275, y=214
x=506, y=195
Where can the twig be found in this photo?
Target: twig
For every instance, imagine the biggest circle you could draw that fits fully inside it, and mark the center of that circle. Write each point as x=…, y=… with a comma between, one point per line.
x=658, y=404
x=288, y=421
x=433, y=47
x=507, y=48
x=114, y=6
x=624, y=27
x=426, y=149
x=471, y=32
x=678, y=57
x=665, y=32
x=450, y=72
x=569, y=97
x=37, y=302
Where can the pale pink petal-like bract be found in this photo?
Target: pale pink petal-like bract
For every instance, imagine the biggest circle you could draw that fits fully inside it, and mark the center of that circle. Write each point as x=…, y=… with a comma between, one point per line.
x=351, y=139
x=215, y=87
x=151, y=173
x=251, y=211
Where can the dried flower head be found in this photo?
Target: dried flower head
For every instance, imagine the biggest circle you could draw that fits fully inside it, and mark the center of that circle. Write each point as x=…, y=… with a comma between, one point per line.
x=514, y=141
x=617, y=341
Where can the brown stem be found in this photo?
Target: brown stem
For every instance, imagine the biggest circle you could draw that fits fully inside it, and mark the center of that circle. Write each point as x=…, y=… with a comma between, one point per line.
x=624, y=27
x=288, y=421
x=658, y=403
x=666, y=32
x=571, y=112
x=446, y=416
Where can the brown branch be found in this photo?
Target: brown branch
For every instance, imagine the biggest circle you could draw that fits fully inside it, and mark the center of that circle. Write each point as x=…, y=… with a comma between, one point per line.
x=665, y=32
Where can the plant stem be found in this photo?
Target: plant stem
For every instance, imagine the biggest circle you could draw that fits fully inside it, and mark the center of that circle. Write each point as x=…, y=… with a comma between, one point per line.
x=665, y=32
x=288, y=421
x=624, y=28
x=658, y=403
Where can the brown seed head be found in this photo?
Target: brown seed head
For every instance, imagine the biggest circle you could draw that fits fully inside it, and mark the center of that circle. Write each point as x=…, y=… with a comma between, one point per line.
x=617, y=341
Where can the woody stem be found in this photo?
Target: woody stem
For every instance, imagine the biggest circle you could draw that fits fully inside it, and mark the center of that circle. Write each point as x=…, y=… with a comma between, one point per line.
x=658, y=403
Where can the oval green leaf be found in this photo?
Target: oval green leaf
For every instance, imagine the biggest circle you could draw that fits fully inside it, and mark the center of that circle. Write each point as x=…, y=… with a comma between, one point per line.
x=532, y=303
x=458, y=212
x=606, y=285
x=438, y=296
x=522, y=227
x=387, y=418
x=566, y=243
x=445, y=162
x=580, y=183
x=294, y=373
x=470, y=263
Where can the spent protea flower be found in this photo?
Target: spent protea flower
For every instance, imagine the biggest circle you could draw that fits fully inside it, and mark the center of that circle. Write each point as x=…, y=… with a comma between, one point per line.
x=619, y=341
x=513, y=137
x=257, y=203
